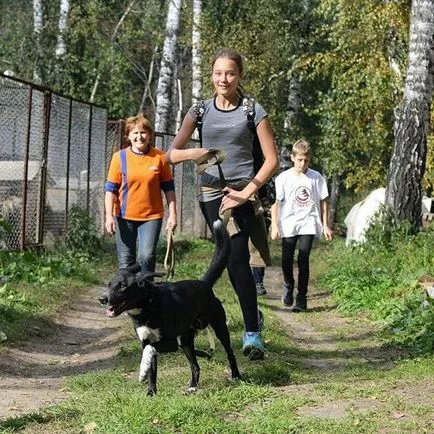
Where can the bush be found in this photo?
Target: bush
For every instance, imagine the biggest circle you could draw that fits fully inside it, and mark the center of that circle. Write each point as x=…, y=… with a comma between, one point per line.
x=382, y=276
x=82, y=235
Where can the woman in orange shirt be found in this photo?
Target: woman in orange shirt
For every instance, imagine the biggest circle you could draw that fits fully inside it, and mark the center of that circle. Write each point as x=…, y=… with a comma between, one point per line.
x=133, y=203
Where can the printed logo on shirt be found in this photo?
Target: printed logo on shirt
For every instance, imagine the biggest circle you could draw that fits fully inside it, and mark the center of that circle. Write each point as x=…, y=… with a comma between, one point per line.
x=154, y=168
x=303, y=196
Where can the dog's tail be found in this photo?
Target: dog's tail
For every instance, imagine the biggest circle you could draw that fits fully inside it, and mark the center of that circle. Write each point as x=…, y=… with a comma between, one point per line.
x=221, y=254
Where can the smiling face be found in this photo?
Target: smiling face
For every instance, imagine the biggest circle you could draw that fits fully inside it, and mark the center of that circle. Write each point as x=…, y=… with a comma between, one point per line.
x=225, y=76
x=139, y=138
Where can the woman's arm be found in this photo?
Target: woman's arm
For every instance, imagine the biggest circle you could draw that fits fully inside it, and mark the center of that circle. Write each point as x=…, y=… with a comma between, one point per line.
x=234, y=198
x=109, y=201
x=177, y=152
x=171, y=202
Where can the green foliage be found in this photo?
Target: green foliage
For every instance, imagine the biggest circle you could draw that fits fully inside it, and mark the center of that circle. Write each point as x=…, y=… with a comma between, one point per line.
x=32, y=267
x=5, y=228
x=352, y=89
x=82, y=235
x=381, y=277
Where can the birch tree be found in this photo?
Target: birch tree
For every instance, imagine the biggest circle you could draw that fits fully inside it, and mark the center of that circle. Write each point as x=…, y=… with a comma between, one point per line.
x=165, y=81
x=63, y=22
x=196, y=57
x=38, y=23
x=407, y=165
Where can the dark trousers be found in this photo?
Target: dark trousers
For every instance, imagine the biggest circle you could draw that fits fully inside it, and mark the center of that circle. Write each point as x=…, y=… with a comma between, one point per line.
x=258, y=274
x=239, y=270
x=288, y=252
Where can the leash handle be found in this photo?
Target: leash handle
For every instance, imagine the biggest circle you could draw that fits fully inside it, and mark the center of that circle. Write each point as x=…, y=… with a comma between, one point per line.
x=169, y=259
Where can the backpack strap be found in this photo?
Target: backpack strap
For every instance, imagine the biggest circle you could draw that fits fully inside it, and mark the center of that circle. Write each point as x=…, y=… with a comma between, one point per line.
x=249, y=110
x=199, y=110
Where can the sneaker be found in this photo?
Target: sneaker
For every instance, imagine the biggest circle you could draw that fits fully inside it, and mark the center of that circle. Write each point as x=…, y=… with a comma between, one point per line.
x=260, y=290
x=300, y=305
x=253, y=346
x=260, y=320
x=287, y=297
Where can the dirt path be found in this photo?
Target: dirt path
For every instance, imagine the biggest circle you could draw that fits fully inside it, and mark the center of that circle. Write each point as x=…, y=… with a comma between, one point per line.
x=33, y=374
x=330, y=343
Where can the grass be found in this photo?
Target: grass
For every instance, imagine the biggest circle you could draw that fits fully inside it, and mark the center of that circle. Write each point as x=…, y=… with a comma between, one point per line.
x=361, y=373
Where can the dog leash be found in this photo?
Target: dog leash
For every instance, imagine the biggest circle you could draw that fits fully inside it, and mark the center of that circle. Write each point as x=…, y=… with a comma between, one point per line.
x=211, y=158
x=169, y=259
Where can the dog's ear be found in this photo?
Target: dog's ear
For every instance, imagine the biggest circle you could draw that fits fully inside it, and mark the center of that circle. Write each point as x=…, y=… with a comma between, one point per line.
x=154, y=274
x=142, y=277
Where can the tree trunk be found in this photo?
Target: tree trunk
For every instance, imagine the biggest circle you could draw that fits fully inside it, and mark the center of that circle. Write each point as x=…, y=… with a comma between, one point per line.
x=165, y=81
x=407, y=164
x=63, y=22
x=147, y=91
x=196, y=57
x=292, y=108
x=334, y=199
x=38, y=23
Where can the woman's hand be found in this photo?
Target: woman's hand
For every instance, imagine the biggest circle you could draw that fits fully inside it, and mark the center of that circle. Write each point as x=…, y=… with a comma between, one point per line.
x=171, y=223
x=110, y=225
x=232, y=198
x=198, y=152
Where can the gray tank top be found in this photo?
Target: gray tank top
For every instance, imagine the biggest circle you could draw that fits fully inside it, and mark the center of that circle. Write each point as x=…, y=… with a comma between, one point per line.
x=227, y=130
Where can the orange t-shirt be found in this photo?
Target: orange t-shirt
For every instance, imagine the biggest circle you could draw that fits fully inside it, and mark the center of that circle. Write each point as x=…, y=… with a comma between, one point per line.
x=137, y=180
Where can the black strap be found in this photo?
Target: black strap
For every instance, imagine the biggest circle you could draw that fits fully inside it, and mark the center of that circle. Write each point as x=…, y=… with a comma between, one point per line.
x=199, y=110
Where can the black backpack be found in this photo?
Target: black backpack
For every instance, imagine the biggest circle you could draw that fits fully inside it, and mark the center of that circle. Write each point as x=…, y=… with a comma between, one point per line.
x=267, y=193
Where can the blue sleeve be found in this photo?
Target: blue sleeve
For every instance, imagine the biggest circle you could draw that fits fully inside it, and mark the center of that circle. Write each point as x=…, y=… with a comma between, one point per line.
x=111, y=187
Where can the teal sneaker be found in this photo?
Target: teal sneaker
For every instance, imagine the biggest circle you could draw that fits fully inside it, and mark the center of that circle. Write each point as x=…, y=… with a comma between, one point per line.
x=253, y=346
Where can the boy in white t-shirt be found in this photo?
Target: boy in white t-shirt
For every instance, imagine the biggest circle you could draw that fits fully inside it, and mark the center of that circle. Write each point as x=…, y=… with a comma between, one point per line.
x=300, y=213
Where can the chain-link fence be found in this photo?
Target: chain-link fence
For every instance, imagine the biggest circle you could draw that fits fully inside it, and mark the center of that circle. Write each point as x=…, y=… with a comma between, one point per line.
x=54, y=153
x=52, y=156
x=190, y=219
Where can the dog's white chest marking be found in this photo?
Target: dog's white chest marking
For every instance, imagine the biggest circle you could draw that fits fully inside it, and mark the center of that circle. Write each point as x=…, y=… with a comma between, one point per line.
x=136, y=311
x=146, y=333
x=145, y=365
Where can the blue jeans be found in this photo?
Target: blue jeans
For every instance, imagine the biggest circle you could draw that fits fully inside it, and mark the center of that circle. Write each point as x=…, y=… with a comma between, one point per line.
x=145, y=234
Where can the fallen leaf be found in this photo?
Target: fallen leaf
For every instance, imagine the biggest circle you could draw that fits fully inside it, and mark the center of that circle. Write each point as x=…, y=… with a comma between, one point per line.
x=90, y=427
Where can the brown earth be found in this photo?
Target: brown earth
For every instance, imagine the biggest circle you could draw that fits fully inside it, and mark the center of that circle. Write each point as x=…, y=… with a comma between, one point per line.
x=33, y=374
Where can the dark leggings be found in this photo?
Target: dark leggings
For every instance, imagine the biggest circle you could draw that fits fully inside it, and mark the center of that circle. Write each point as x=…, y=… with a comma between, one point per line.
x=239, y=270
x=288, y=251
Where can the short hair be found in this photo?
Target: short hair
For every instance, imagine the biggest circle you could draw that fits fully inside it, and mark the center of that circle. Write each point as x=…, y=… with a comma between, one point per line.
x=141, y=122
x=301, y=147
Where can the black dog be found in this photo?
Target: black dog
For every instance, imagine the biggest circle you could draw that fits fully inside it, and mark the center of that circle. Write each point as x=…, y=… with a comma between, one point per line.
x=167, y=313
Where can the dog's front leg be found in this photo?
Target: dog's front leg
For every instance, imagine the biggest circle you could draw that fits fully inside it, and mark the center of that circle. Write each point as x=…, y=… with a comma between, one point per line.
x=152, y=377
x=149, y=357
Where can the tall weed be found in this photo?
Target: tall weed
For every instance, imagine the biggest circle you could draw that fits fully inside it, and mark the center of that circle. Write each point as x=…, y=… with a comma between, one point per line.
x=381, y=277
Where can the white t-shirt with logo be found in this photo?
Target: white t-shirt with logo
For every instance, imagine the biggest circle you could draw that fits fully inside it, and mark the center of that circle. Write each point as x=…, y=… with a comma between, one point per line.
x=299, y=196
